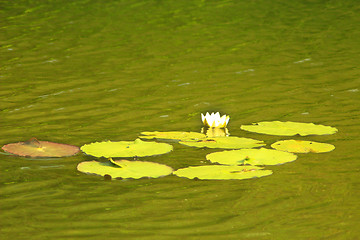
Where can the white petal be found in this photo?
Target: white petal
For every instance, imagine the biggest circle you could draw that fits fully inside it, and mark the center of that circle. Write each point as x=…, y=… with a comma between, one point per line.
x=211, y=122
x=218, y=123
x=227, y=120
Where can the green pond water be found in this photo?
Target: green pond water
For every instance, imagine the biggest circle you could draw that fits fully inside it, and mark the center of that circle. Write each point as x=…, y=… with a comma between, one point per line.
x=82, y=71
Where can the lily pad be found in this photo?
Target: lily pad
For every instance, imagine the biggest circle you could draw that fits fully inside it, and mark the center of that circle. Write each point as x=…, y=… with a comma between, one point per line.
x=172, y=135
x=35, y=148
x=299, y=146
x=135, y=148
x=260, y=156
x=125, y=169
x=289, y=128
x=221, y=172
x=224, y=142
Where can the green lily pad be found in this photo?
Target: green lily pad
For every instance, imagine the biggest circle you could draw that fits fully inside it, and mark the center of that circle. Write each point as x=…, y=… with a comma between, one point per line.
x=221, y=172
x=125, y=169
x=135, y=148
x=224, y=142
x=172, y=135
x=260, y=156
x=299, y=146
x=34, y=148
x=289, y=128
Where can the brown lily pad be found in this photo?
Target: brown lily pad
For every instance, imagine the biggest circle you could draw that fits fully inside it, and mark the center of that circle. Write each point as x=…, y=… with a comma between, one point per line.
x=35, y=148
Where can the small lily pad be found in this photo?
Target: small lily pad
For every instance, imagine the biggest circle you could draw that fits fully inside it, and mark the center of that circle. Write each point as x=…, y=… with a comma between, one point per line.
x=289, y=128
x=172, y=135
x=125, y=169
x=221, y=172
x=135, y=148
x=260, y=156
x=224, y=142
x=299, y=146
x=34, y=148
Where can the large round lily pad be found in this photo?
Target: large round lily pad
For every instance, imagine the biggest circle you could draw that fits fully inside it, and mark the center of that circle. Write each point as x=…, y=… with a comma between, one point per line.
x=289, y=128
x=172, y=135
x=35, y=148
x=135, y=148
x=224, y=142
x=299, y=146
x=260, y=156
x=125, y=169
x=221, y=172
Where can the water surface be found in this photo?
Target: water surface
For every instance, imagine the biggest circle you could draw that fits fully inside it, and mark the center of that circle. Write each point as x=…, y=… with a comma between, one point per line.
x=82, y=71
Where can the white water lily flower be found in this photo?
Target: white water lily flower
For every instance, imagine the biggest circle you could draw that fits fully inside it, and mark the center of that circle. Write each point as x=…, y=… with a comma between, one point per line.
x=214, y=120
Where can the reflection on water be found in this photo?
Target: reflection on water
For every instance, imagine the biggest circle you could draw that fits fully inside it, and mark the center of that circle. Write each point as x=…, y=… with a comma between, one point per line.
x=215, y=132
x=83, y=71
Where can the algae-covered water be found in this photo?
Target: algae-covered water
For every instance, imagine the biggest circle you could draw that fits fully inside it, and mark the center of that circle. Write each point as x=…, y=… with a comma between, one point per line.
x=82, y=71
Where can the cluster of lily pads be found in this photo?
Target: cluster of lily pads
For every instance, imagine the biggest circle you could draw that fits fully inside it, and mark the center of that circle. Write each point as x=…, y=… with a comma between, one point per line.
x=242, y=159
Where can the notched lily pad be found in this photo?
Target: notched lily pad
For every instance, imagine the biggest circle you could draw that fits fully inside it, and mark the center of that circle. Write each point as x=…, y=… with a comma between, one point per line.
x=221, y=172
x=126, y=149
x=172, y=135
x=224, y=142
x=125, y=169
x=260, y=156
x=34, y=148
x=289, y=128
x=299, y=146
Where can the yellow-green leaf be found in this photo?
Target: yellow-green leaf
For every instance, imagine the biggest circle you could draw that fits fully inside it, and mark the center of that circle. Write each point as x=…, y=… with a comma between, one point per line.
x=260, y=156
x=298, y=146
x=289, y=128
x=125, y=169
x=172, y=135
x=221, y=172
x=135, y=148
x=224, y=142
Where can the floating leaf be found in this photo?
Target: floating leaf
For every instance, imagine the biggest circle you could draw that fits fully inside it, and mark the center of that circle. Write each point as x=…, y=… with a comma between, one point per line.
x=172, y=135
x=260, y=156
x=35, y=148
x=125, y=169
x=219, y=172
x=298, y=146
x=289, y=128
x=224, y=142
x=135, y=148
